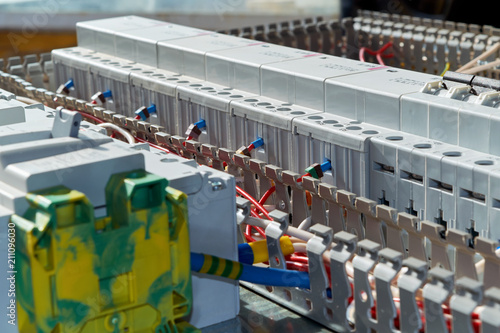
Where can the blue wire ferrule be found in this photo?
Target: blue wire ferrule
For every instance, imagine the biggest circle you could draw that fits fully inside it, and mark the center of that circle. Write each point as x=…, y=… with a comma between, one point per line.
x=257, y=143
x=194, y=130
x=66, y=87
x=201, y=124
x=326, y=165
x=152, y=109
x=144, y=112
x=101, y=97
x=317, y=170
x=107, y=94
x=70, y=84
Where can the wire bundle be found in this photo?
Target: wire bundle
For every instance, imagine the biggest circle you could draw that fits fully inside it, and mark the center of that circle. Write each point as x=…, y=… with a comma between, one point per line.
x=379, y=54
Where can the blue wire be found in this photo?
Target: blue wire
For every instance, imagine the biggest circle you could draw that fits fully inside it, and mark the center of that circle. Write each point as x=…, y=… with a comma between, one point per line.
x=245, y=254
x=261, y=275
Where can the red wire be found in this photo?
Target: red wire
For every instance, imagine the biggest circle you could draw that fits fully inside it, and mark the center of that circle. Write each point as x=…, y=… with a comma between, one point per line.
x=258, y=229
x=249, y=238
x=247, y=196
x=297, y=266
x=362, y=54
x=304, y=175
x=266, y=195
x=251, y=147
x=89, y=116
x=156, y=146
x=137, y=117
x=379, y=53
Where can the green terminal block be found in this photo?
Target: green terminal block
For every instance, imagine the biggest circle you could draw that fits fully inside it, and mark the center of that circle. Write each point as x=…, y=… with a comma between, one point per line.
x=126, y=272
x=315, y=170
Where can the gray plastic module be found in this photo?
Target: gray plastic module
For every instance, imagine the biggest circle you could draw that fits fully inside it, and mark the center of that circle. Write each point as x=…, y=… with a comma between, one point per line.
x=210, y=102
x=99, y=35
x=343, y=141
x=271, y=120
x=240, y=68
x=301, y=81
x=373, y=97
x=187, y=55
x=469, y=121
x=158, y=87
x=140, y=45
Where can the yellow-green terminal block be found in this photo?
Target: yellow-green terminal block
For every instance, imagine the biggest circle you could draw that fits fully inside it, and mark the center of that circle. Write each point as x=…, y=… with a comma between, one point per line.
x=126, y=272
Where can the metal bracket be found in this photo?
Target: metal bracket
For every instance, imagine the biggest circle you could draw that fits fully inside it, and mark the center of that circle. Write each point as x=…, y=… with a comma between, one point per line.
x=341, y=287
x=490, y=316
x=409, y=283
x=468, y=295
x=353, y=221
x=435, y=293
x=316, y=246
x=335, y=216
x=385, y=271
x=242, y=213
x=274, y=231
x=363, y=263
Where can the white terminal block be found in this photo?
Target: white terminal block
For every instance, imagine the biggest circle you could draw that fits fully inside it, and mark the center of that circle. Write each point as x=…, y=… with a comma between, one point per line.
x=345, y=142
x=462, y=122
x=373, y=97
x=140, y=45
x=210, y=102
x=385, y=170
x=240, y=68
x=473, y=194
x=442, y=191
x=99, y=35
x=158, y=87
x=272, y=120
x=187, y=55
x=302, y=81
x=112, y=73
x=74, y=63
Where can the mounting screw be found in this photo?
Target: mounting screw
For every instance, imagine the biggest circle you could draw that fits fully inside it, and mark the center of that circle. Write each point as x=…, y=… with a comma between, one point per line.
x=282, y=204
x=217, y=186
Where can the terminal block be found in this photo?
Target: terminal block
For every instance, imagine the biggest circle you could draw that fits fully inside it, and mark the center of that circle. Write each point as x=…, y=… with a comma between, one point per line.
x=125, y=272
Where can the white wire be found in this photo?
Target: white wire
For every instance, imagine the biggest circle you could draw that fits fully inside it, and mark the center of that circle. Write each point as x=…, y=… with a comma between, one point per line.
x=304, y=225
x=120, y=130
x=292, y=231
x=27, y=100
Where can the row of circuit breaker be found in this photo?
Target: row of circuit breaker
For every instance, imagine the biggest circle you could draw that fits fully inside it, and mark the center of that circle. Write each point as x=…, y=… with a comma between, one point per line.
x=402, y=138
x=40, y=149
x=422, y=44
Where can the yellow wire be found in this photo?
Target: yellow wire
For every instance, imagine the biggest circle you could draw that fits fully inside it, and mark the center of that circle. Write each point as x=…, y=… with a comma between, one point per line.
x=446, y=68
